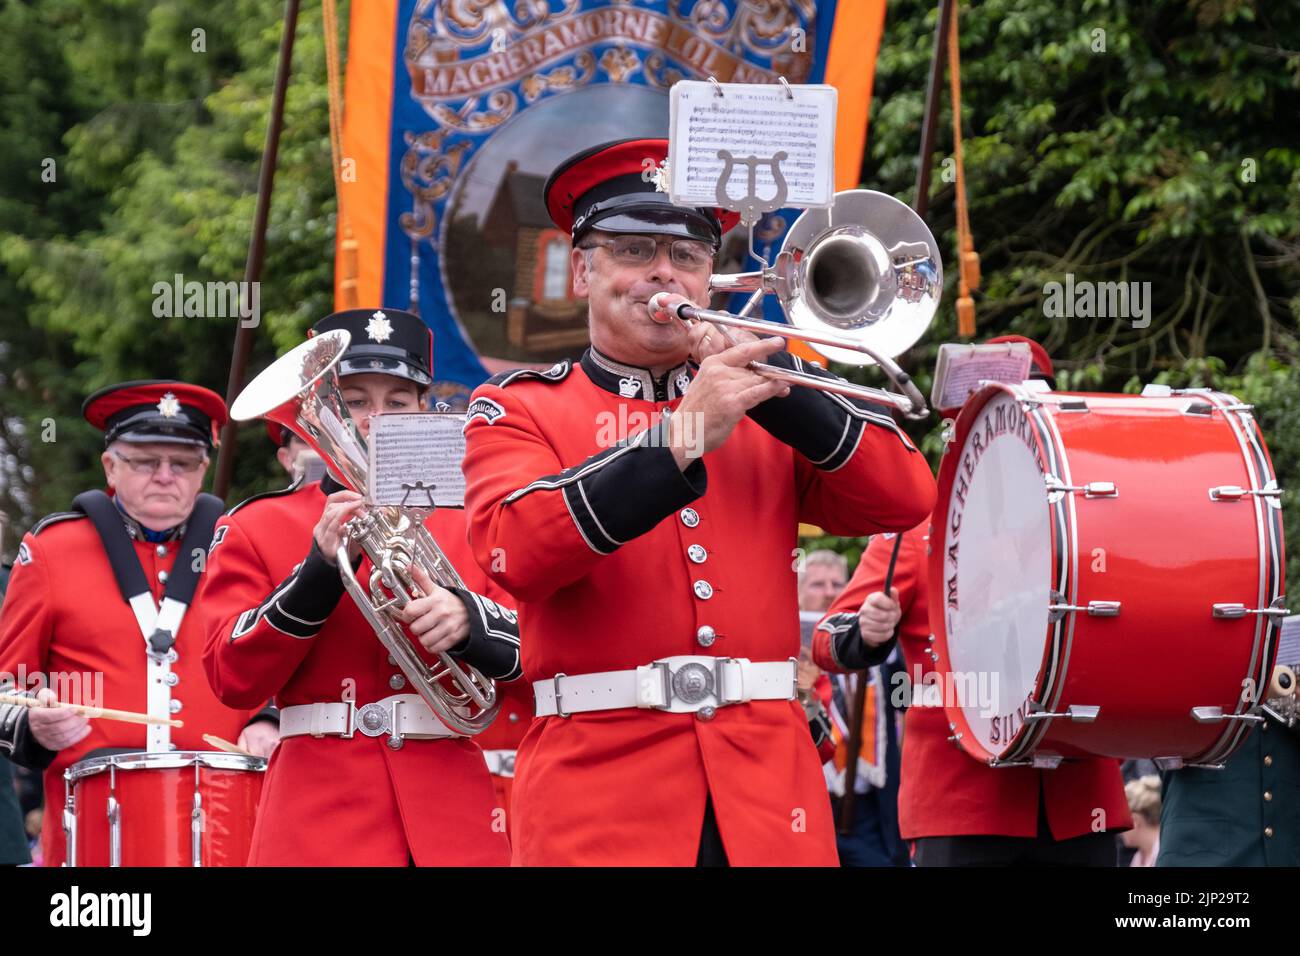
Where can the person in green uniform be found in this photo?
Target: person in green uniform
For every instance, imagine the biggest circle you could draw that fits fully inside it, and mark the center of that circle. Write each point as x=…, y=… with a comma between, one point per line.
x=1247, y=814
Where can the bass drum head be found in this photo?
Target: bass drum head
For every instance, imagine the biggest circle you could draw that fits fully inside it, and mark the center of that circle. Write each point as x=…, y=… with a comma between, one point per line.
x=991, y=563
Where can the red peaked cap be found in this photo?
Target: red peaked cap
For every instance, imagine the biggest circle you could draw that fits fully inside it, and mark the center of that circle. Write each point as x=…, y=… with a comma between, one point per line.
x=1042, y=364
x=606, y=187
x=157, y=410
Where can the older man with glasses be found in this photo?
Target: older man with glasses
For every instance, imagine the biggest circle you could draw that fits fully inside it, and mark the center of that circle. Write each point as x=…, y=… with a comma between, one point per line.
x=642, y=506
x=98, y=607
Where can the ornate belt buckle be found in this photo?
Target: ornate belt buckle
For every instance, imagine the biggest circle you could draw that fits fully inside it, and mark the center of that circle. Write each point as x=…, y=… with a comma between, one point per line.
x=372, y=720
x=692, y=683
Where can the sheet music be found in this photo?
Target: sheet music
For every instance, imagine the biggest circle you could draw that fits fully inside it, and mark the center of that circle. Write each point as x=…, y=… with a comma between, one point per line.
x=961, y=368
x=415, y=459
x=752, y=119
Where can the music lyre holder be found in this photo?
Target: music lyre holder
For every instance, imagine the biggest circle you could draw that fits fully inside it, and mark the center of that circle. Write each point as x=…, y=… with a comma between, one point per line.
x=750, y=206
x=418, y=486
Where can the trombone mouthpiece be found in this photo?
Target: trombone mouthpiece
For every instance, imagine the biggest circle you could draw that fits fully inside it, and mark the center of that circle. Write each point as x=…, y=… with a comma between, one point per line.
x=661, y=307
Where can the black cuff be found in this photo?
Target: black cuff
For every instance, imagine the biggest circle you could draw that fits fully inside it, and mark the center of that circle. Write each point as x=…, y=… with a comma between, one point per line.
x=848, y=649
x=493, y=643
x=823, y=427
x=270, y=713
x=301, y=606
x=623, y=492
x=16, y=739
x=820, y=727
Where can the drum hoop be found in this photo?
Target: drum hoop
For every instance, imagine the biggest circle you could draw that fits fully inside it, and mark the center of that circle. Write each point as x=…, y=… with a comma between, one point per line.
x=1052, y=670
x=172, y=760
x=1259, y=469
x=1059, y=637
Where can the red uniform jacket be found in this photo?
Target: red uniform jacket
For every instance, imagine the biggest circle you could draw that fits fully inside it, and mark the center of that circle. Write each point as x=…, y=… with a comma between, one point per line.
x=64, y=617
x=331, y=800
x=616, y=558
x=506, y=732
x=944, y=791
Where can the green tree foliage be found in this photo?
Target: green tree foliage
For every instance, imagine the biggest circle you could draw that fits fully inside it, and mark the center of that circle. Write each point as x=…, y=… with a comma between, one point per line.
x=154, y=115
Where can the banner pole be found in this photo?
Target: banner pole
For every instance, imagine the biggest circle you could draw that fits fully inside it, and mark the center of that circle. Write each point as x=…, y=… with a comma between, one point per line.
x=256, y=246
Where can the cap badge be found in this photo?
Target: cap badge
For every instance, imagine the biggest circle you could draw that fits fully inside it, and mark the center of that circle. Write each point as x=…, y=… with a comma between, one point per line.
x=379, y=328
x=168, y=406
x=661, y=176
x=683, y=382
x=629, y=387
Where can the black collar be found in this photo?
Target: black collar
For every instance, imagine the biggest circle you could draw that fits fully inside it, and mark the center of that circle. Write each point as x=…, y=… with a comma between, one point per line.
x=632, y=381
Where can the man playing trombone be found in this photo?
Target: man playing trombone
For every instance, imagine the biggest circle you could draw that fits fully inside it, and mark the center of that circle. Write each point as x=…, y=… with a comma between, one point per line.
x=366, y=774
x=655, y=573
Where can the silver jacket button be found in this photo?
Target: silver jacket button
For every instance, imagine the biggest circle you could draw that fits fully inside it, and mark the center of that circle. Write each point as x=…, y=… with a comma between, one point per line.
x=397, y=682
x=697, y=553
x=690, y=517
x=162, y=576
x=705, y=636
x=705, y=713
x=174, y=706
x=703, y=590
x=172, y=679
x=161, y=550
x=514, y=718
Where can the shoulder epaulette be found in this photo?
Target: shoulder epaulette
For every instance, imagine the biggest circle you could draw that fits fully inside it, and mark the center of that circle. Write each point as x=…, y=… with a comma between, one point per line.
x=55, y=519
x=296, y=486
x=556, y=373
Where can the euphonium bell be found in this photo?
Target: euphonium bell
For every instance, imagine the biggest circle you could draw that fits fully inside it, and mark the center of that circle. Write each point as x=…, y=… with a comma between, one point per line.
x=300, y=391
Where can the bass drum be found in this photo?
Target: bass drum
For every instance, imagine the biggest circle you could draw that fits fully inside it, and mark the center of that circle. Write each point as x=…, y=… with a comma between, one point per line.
x=1108, y=575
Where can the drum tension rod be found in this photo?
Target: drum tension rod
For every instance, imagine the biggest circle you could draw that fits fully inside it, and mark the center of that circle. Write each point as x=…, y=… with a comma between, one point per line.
x=1214, y=715
x=1233, y=611
x=1237, y=493
x=1083, y=713
x=1093, y=489
x=1058, y=608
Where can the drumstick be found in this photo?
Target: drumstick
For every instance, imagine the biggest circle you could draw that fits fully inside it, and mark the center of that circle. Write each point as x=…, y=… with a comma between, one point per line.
x=226, y=745
x=845, y=823
x=95, y=713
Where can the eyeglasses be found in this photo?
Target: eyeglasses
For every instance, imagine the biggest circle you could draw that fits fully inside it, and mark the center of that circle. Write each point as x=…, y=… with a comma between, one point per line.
x=689, y=254
x=149, y=466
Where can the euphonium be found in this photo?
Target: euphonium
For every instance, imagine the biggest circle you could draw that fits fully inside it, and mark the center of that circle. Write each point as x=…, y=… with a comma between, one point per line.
x=300, y=391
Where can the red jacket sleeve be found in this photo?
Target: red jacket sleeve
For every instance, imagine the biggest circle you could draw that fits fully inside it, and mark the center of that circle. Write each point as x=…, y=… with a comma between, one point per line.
x=536, y=525
x=857, y=471
x=837, y=645
x=26, y=616
x=260, y=630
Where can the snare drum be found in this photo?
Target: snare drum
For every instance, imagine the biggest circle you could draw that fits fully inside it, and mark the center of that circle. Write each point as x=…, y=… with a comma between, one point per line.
x=184, y=808
x=1107, y=575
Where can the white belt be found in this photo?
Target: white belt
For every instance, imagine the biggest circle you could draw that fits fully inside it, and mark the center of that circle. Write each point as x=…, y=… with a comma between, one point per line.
x=398, y=717
x=501, y=763
x=678, y=685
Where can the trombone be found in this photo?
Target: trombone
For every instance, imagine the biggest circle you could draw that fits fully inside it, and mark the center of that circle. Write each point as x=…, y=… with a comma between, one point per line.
x=863, y=293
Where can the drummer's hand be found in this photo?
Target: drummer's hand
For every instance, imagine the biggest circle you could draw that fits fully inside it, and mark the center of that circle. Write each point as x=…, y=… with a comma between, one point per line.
x=56, y=727
x=879, y=617
x=439, y=621
x=260, y=737
x=340, y=507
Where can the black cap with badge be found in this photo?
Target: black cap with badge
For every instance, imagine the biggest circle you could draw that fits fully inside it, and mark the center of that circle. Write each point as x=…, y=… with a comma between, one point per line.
x=157, y=410
x=622, y=187
x=388, y=341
